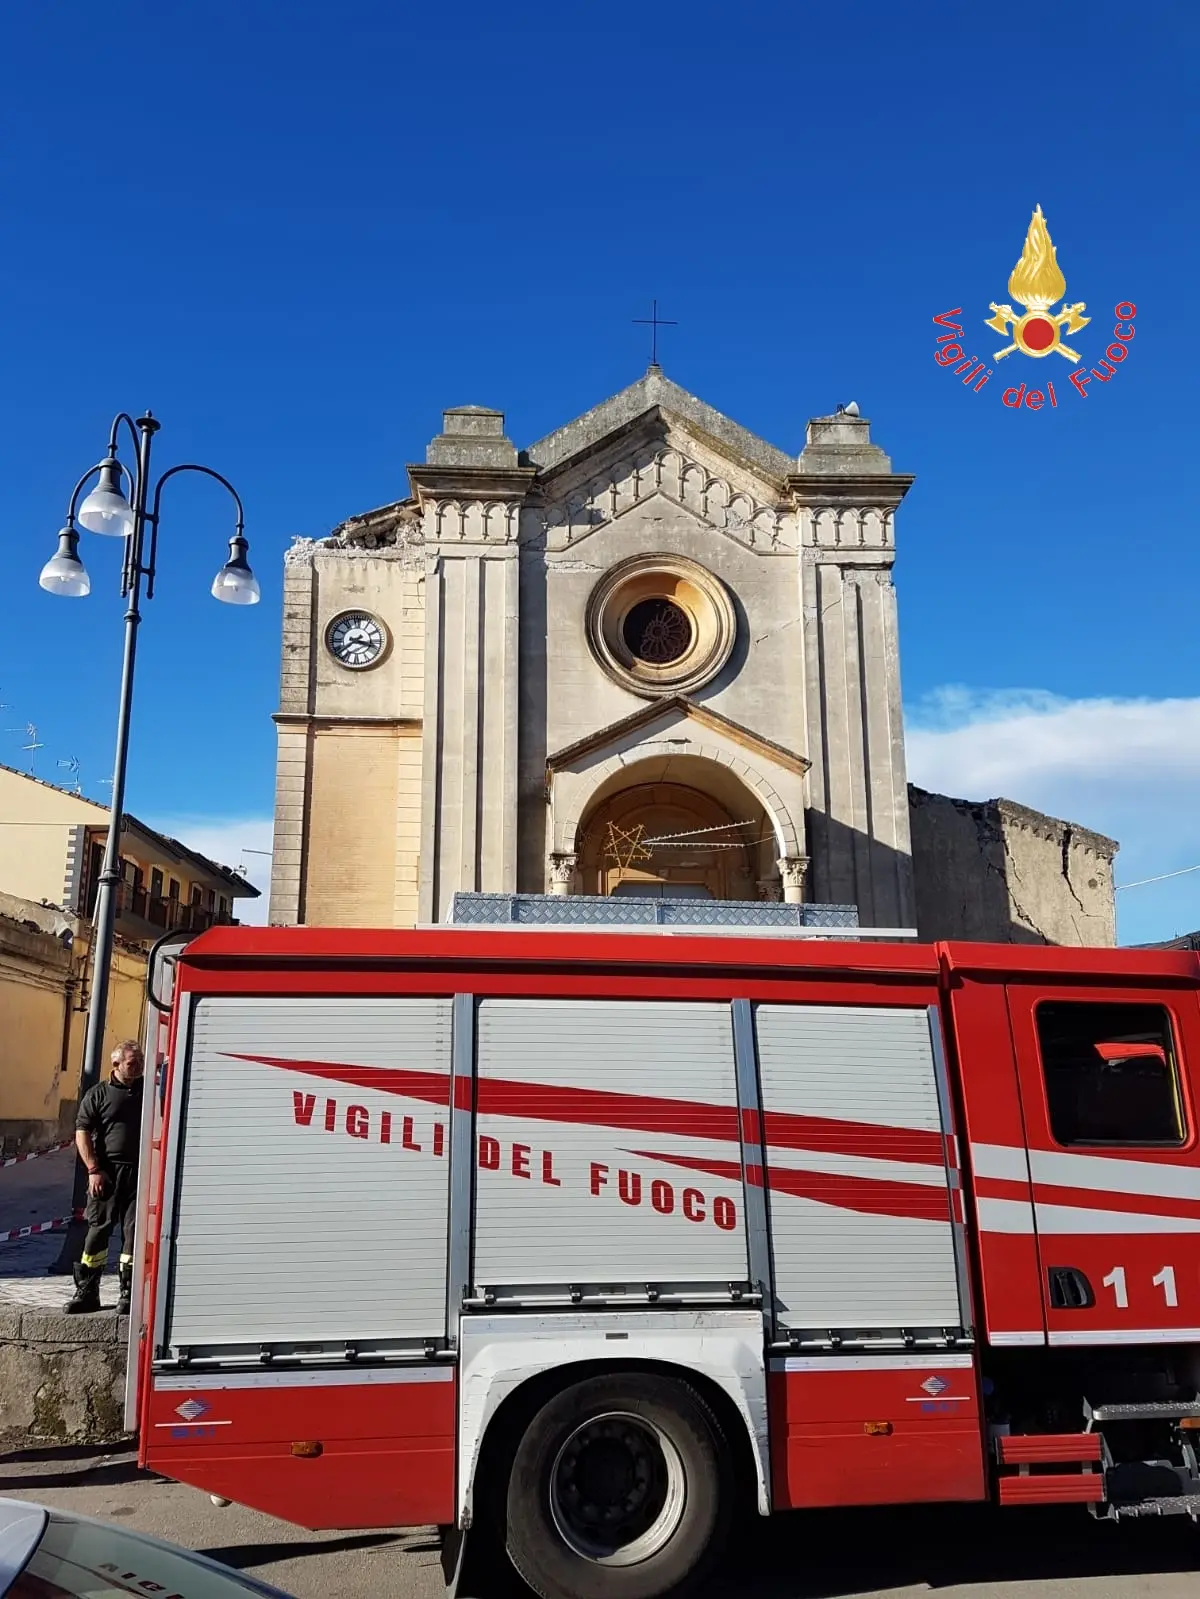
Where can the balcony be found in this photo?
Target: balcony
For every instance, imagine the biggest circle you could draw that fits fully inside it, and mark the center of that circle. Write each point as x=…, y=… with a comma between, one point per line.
x=141, y=915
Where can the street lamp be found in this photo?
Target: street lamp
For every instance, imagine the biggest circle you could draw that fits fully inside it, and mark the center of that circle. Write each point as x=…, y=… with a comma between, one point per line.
x=109, y=509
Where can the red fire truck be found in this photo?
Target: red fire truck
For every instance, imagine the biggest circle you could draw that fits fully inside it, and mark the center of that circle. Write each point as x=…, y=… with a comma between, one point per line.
x=571, y=1243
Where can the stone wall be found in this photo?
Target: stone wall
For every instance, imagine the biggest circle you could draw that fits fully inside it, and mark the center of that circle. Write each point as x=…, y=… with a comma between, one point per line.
x=999, y=872
x=346, y=851
x=62, y=1378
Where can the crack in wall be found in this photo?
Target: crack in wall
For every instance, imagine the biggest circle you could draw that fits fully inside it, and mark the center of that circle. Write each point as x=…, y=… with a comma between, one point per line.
x=991, y=870
x=1066, y=871
x=1012, y=878
x=779, y=627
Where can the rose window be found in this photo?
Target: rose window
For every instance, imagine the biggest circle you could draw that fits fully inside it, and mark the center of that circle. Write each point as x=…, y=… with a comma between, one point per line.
x=657, y=631
x=661, y=624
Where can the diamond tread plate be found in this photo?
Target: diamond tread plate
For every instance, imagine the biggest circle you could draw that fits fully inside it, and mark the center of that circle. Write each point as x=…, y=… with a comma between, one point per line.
x=1157, y=1410
x=593, y=910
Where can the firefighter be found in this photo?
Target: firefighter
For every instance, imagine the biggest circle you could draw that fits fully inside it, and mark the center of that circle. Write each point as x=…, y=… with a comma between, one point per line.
x=107, y=1136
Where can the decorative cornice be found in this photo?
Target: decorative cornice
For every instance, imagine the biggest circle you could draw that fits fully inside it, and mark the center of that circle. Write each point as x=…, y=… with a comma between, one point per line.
x=813, y=489
x=471, y=482
x=680, y=705
x=318, y=719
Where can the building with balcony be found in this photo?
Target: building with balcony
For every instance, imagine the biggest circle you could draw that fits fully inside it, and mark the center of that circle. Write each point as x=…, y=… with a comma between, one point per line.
x=52, y=850
x=51, y=854
x=164, y=884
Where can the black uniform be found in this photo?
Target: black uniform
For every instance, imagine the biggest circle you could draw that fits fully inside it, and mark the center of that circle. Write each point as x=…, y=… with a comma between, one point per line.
x=111, y=1113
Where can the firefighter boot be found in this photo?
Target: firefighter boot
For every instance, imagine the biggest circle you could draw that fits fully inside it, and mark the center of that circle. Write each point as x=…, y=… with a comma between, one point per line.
x=87, y=1291
x=126, y=1280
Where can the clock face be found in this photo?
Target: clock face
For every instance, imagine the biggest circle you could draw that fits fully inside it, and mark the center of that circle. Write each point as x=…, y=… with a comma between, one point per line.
x=356, y=640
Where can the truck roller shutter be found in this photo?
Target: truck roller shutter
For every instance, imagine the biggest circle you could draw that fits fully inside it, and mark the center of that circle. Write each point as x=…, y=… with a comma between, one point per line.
x=861, y=1213
x=608, y=1146
x=312, y=1190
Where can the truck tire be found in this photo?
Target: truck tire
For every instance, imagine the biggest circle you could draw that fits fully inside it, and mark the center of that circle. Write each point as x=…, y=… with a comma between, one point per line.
x=618, y=1491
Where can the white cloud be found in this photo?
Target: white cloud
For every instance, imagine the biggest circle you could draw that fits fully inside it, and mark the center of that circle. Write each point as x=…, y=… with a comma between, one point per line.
x=230, y=841
x=1126, y=767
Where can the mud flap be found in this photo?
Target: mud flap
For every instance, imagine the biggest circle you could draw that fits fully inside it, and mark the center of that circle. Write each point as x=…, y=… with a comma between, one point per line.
x=464, y=1565
x=454, y=1545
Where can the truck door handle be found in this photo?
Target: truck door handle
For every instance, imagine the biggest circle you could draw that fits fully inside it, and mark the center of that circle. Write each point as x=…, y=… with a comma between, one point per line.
x=1069, y=1288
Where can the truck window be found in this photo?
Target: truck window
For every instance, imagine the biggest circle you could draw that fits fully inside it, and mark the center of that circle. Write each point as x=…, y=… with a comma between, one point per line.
x=1111, y=1073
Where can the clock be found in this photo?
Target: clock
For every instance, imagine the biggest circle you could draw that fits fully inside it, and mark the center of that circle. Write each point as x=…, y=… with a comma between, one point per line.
x=356, y=640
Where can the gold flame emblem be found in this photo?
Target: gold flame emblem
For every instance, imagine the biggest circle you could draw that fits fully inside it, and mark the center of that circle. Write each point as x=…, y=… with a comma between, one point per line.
x=1036, y=282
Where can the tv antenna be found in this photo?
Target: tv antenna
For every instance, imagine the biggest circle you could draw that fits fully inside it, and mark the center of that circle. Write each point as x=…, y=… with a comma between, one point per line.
x=31, y=746
x=72, y=766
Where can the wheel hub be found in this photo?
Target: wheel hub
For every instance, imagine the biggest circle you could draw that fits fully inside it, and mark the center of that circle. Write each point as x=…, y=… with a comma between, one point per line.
x=617, y=1489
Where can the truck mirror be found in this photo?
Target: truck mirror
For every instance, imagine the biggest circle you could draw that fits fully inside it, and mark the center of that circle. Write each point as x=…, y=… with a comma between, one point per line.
x=160, y=968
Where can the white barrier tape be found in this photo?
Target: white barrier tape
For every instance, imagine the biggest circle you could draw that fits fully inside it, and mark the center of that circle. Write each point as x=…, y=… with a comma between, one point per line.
x=36, y=1154
x=40, y=1227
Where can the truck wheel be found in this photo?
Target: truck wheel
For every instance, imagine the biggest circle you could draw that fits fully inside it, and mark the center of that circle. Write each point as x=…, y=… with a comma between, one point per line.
x=618, y=1491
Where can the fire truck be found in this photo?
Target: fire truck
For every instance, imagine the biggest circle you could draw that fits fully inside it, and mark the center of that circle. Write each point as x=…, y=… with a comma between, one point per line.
x=577, y=1245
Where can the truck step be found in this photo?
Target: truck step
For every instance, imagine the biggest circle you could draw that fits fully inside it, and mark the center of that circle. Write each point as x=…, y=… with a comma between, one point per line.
x=1071, y=1488
x=1165, y=1505
x=1044, y=1449
x=1158, y=1410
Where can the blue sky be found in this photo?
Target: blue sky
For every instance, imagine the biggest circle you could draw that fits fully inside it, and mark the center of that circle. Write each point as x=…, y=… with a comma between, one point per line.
x=297, y=233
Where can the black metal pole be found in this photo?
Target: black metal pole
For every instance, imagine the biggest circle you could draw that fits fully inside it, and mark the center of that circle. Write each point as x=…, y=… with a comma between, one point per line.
x=104, y=924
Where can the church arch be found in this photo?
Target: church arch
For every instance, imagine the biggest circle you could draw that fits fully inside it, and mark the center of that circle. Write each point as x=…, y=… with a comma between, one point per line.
x=669, y=838
x=718, y=789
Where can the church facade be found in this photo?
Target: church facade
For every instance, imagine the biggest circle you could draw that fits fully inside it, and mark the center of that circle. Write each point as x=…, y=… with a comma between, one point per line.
x=648, y=654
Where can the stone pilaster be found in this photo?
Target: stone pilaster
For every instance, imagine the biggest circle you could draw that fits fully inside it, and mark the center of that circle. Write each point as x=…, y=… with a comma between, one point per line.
x=470, y=491
x=292, y=760
x=846, y=494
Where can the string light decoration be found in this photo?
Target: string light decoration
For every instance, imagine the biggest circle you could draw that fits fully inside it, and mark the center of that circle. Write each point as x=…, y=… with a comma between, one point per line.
x=624, y=845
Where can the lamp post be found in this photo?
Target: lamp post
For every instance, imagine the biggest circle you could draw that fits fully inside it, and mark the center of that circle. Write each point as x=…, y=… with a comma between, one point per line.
x=108, y=509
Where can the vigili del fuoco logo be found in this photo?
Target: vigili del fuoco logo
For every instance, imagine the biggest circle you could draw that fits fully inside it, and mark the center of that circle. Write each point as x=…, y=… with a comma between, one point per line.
x=1036, y=283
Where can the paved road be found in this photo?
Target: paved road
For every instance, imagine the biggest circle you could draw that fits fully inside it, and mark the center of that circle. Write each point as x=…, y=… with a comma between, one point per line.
x=39, y=1190
x=26, y=1282
x=967, y=1553
x=354, y=1565
x=36, y=1190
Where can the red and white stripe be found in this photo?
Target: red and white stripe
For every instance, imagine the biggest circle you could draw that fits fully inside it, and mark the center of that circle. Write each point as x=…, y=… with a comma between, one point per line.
x=871, y=1168
x=1075, y=1194
x=39, y=1227
x=36, y=1154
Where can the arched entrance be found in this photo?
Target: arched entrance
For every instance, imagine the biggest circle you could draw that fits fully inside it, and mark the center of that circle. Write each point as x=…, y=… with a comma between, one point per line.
x=684, y=828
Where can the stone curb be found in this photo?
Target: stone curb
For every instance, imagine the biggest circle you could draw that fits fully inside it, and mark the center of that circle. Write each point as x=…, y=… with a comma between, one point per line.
x=54, y=1327
x=62, y=1378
